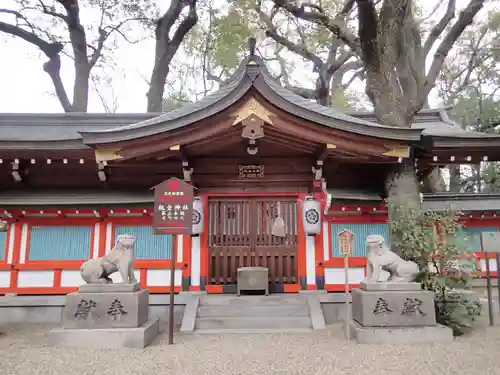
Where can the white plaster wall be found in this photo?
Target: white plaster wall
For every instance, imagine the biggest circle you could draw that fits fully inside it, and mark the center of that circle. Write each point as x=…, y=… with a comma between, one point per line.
x=109, y=237
x=326, y=241
x=24, y=243
x=180, y=243
x=310, y=260
x=161, y=277
x=493, y=265
x=97, y=238
x=195, y=261
x=28, y=278
x=337, y=275
x=117, y=278
x=4, y=279
x=12, y=234
x=71, y=278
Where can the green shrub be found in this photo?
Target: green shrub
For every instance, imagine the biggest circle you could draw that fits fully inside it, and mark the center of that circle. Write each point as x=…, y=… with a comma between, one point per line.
x=436, y=242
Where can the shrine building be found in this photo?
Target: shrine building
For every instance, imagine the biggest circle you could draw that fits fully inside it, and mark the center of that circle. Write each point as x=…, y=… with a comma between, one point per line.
x=257, y=154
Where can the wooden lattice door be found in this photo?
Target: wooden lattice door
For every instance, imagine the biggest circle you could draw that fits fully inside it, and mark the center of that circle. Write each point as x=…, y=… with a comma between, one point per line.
x=240, y=235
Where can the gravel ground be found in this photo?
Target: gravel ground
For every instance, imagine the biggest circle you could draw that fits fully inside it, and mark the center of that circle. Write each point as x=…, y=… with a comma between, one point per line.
x=23, y=350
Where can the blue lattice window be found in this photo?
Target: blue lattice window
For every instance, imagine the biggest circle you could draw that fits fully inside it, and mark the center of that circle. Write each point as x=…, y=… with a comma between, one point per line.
x=60, y=243
x=3, y=245
x=361, y=231
x=148, y=245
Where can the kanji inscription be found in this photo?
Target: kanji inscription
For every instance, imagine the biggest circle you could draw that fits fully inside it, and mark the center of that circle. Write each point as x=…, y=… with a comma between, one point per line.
x=84, y=308
x=116, y=309
x=346, y=242
x=412, y=307
x=173, y=210
x=382, y=307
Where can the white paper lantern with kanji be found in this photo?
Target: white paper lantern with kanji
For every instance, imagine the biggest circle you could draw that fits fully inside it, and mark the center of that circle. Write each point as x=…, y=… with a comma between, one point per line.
x=198, y=217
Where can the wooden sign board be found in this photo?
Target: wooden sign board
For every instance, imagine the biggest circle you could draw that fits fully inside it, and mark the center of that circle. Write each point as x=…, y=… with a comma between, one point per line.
x=251, y=171
x=490, y=242
x=173, y=207
x=346, y=242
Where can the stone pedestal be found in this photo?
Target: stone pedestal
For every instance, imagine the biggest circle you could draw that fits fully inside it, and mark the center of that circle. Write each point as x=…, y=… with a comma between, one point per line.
x=106, y=316
x=395, y=313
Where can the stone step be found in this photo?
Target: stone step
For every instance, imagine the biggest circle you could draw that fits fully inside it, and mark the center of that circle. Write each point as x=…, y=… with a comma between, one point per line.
x=253, y=311
x=252, y=300
x=253, y=331
x=252, y=323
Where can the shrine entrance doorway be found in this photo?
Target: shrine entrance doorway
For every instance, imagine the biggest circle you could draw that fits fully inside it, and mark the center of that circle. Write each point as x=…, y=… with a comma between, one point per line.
x=241, y=235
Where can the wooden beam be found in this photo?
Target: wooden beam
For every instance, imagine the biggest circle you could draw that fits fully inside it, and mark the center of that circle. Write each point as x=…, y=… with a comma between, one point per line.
x=324, y=151
x=320, y=137
x=154, y=145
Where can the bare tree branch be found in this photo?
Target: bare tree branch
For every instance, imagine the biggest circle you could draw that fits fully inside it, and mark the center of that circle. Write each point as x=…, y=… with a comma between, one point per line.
x=438, y=29
x=465, y=18
x=318, y=17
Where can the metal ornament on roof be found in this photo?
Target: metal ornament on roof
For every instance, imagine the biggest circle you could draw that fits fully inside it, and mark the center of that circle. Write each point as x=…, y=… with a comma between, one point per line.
x=311, y=216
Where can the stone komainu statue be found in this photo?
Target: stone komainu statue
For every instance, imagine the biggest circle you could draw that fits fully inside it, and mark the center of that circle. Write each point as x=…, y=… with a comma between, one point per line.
x=120, y=258
x=380, y=257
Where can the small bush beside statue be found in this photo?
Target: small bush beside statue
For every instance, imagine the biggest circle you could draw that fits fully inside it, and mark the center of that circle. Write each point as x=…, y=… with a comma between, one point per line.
x=429, y=267
x=437, y=243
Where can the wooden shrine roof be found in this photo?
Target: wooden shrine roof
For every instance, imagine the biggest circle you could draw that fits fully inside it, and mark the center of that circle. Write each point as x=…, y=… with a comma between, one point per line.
x=73, y=131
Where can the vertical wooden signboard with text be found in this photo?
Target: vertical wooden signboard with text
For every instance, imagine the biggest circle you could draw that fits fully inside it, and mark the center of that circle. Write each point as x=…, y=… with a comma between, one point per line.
x=346, y=247
x=173, y=215
x=490, y=243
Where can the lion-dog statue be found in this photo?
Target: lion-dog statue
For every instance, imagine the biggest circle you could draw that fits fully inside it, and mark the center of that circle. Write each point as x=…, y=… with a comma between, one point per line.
x=119, y=259
x=380, y=257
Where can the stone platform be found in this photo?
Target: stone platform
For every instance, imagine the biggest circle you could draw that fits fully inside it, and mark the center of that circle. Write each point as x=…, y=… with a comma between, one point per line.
x=106, y=306
x=106, y=338
x=390, y=305
x=386, y=312
x=400, y=335
x=106, y=316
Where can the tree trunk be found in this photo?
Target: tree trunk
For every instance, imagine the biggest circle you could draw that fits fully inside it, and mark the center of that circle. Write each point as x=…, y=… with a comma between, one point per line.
x=455, y=178
x=167, y=46
x=157, y=85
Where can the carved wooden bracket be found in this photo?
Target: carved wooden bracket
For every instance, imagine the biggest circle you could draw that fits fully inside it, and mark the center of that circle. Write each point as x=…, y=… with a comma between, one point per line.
x=17, y=172
x=323, y=151
x=318, y=170
x=107, y=154
x=186, y=171
x=399, y=152
x=101, y=171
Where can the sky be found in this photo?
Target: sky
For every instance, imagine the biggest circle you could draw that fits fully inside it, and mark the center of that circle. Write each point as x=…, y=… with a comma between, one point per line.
x=25, y=87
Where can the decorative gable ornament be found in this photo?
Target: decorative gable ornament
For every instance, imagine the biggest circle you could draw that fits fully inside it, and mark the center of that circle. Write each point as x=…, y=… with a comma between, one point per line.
x=253, y=128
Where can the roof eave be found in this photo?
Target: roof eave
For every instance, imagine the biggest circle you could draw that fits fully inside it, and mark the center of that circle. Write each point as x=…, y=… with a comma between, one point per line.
x=127, y=133
x=57, y=145
x=454, y=142
x=387, y=132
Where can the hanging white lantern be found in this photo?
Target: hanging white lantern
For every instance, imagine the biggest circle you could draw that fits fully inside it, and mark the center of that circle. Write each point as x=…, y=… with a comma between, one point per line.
x=311, y=216
x=198, y=219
